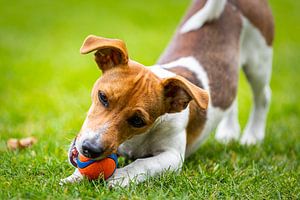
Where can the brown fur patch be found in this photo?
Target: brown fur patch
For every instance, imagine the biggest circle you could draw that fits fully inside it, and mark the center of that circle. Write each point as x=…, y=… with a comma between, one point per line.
x=216, y=46
x=259, y=14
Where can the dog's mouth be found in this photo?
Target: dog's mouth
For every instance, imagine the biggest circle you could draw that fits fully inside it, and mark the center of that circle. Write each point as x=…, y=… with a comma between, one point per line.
x=73, y=153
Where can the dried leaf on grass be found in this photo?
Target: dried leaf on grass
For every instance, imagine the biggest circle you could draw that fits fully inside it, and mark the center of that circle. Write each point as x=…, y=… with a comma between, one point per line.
x=14, y=144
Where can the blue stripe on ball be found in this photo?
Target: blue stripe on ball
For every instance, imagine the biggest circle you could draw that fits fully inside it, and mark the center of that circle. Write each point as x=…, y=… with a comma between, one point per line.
x=114, y=157
x=82, y=165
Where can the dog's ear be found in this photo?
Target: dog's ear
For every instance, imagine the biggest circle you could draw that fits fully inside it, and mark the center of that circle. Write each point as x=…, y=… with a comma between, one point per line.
x=178, y=92
x=109, y=52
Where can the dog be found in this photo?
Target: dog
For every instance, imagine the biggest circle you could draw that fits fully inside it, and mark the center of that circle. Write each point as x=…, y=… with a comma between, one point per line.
x=159, y=115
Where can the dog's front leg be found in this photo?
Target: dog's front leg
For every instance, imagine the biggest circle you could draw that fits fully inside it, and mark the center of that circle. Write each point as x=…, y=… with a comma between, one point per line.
x=140, y=169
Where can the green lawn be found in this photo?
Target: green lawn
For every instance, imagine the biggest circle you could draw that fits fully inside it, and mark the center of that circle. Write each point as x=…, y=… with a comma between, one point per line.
x=45, y=89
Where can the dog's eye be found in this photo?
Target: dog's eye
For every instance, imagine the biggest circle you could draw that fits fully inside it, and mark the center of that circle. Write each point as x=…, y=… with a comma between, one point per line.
x=103, y=99
x=136, y=121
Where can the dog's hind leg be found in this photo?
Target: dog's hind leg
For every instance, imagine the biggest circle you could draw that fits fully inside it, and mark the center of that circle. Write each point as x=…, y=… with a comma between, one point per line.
x=257, y=65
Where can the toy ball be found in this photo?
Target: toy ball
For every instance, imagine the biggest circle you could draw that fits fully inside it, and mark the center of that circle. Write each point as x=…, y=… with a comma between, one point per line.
x=94, y=169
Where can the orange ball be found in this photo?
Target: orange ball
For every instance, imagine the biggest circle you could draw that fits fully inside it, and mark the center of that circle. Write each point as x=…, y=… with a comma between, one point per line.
x=94, y=169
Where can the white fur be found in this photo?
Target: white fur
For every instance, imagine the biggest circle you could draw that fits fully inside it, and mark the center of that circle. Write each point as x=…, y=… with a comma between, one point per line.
x=229, y=127
x=160, y=72
x=256, y=59
x=212, y=10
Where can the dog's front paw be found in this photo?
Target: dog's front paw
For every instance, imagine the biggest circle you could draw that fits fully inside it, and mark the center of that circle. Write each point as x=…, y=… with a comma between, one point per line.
x=124, y=182
x=120, y=178
x=74, y=178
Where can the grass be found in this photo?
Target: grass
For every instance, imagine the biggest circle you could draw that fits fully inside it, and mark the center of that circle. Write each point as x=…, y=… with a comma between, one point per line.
x=45, y=86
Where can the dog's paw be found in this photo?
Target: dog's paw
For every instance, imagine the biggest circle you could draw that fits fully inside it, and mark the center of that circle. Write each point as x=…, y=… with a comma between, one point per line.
x=120, y=178
x=74, y=178
x=124, y=182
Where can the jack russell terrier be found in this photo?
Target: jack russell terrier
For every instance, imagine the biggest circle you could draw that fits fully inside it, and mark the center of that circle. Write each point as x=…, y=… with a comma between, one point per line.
x=160, y=115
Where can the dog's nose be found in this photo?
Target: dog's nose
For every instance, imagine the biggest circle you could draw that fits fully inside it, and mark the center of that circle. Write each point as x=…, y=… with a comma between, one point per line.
x=91, y=150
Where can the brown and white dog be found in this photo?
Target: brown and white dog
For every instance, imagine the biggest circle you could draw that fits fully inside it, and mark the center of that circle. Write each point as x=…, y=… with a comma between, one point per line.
x=160, y=115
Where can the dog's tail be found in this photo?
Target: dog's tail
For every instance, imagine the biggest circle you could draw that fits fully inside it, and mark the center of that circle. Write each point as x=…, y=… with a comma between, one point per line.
x=212, y=10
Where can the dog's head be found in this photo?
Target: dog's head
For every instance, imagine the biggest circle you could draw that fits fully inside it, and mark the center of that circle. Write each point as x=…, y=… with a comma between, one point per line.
x=127, y=98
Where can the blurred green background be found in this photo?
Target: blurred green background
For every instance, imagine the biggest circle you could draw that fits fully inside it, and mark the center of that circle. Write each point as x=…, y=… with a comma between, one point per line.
x=45, y=89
